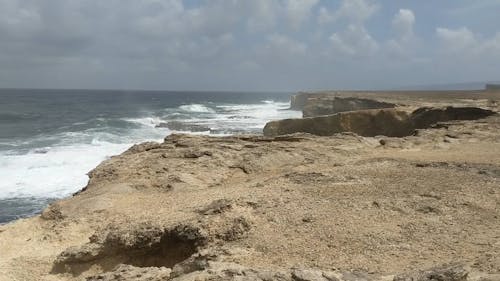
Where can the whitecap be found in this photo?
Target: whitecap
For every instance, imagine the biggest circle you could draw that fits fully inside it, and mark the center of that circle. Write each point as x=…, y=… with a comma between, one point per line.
x=152, y=121
x=195, y=107
x=57, y=172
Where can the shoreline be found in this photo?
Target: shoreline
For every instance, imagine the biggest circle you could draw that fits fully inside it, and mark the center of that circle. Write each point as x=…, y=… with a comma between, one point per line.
x=342, y=206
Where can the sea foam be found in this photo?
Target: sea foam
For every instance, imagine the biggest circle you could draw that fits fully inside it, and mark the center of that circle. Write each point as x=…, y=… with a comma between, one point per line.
x=60, y=169
x=52, y=172
x=196, y=108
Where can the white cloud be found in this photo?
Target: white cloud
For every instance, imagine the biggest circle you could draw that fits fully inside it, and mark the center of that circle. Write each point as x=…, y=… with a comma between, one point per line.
x=466, y=55
x=403, y=48
x=357, y=10
x=492, y=45
x=403, y=23
x=467, y=44
x=281, y=44
x=354, y=11
x=299, y=11
x=456, y=39
x=263, y=15
x=18, y=17
x=355, y=41
x=325, y=16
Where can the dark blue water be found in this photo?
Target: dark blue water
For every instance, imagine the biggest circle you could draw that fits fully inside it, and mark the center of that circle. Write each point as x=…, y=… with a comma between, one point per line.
x=50, y=139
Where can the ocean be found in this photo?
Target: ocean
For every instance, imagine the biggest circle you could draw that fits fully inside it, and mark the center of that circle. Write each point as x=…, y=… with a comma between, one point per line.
x=50, y=139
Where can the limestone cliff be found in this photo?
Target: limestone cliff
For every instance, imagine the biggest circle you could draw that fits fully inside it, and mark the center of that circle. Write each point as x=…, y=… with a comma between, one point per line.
x=294, y=207
x=369, y=123
x=330, y=105
x=387, y=122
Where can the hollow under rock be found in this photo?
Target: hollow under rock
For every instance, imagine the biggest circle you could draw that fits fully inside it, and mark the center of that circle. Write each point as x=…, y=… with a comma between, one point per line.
x=169, y=251
x=145, y=247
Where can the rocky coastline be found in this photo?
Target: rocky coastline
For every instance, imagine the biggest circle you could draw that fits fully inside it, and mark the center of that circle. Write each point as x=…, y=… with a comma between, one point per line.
x=369, y=186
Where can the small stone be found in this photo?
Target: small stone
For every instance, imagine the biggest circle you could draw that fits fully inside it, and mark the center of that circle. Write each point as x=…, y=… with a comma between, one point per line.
x=216, y=207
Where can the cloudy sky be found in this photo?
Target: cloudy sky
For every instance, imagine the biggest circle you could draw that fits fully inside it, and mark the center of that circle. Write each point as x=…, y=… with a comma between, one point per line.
x=247, y=44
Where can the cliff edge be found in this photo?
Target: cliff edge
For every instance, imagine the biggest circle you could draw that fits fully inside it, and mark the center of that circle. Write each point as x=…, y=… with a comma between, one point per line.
x=293, y=207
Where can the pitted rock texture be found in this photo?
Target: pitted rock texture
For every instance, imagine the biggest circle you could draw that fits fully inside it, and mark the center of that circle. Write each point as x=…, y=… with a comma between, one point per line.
x=291, y=207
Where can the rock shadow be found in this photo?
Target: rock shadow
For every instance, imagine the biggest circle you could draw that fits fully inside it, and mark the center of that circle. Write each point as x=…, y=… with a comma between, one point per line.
x=152, y=247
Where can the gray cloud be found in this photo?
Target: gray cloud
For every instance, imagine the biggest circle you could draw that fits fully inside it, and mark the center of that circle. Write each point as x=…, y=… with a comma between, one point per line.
x=219, y=44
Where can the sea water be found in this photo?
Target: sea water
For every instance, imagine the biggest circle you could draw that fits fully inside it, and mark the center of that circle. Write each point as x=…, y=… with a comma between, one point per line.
x=50, y=139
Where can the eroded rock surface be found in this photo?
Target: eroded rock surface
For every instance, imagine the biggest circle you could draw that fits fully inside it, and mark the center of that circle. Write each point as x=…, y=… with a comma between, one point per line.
x=323, y=106
x=292, y=207
x=387, y=122
x=369, y=123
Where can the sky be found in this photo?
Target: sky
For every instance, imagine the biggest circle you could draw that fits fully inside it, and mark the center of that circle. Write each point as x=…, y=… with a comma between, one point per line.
x=247, y=45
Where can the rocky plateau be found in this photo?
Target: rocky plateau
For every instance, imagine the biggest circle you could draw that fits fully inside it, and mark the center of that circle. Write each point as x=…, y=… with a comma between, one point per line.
x=401, y=186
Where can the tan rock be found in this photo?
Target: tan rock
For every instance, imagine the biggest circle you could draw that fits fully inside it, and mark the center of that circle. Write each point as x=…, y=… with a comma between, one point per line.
x=342, y=207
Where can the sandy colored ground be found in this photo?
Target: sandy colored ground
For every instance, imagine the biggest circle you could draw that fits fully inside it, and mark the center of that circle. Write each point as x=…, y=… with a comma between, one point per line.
x=205, y=206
